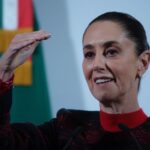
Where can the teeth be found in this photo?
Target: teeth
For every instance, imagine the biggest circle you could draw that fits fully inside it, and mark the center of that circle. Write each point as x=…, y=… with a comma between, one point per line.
x=99, y=81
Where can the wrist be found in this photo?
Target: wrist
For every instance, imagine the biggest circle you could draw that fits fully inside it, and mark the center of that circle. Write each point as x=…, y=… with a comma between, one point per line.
x=6, y=85
x=5, y=75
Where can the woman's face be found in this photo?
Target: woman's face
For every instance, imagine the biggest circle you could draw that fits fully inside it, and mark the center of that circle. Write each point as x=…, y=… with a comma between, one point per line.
x=110, y=64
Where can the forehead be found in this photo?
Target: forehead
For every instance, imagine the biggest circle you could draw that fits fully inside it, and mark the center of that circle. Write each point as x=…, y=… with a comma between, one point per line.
x=101, y=31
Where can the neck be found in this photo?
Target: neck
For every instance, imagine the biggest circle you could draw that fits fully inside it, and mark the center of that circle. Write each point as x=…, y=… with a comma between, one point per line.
x=114, y=108
x=124, y=104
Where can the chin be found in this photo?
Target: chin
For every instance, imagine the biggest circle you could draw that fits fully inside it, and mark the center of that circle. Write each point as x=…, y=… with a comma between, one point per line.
x=105, y=95
x=105, y=98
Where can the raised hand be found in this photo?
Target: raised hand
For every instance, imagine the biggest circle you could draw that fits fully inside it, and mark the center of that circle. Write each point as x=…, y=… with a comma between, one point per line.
x=20, y=49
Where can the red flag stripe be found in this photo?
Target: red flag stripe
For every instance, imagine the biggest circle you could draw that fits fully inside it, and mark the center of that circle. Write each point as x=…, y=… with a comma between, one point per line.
x=25, y=14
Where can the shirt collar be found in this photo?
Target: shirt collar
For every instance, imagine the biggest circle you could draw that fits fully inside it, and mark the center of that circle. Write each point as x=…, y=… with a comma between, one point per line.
x=110, y=122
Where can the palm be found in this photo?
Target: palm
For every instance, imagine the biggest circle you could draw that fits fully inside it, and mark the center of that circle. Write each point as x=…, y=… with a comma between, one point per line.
x=21, y=47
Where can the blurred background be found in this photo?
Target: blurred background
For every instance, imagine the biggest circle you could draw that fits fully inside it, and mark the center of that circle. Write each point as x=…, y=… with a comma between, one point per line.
x=57, y=78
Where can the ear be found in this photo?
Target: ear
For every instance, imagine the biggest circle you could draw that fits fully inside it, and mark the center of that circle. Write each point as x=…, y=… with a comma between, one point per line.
x=143, y=62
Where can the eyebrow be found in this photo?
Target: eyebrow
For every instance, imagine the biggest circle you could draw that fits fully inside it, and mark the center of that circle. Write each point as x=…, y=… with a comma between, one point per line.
x=109, y=43
x=105, y=44
x=88, y=46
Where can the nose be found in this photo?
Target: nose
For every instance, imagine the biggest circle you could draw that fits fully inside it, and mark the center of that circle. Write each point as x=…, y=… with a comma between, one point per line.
x=99, y=63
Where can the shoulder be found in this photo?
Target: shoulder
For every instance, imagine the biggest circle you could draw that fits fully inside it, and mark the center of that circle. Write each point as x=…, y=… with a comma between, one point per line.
x=74, y=117
x=82, y=124
x=64, y=111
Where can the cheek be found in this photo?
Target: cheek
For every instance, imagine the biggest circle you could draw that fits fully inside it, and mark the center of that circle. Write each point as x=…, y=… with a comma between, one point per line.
x=87, y=69
x=124, y=72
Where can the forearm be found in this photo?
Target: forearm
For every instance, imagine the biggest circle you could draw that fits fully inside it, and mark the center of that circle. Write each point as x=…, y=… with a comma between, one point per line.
x=5, y=105
x=20, y=135
x=5, y=100
x=23, y=136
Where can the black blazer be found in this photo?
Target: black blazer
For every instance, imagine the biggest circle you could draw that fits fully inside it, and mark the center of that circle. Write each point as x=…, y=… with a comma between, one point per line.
x=70, y=129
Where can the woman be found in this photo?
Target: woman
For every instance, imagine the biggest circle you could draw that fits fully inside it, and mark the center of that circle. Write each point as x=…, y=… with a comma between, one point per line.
x=116, y=56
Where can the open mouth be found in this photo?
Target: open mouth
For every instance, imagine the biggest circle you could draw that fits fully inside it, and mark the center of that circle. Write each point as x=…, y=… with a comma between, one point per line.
x=103, y=80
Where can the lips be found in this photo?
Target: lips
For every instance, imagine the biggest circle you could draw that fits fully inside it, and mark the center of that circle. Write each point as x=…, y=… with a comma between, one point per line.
x=102, y=80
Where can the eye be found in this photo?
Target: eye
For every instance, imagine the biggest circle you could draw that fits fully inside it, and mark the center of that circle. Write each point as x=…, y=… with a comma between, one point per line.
x=89, y=55
x=111, y=52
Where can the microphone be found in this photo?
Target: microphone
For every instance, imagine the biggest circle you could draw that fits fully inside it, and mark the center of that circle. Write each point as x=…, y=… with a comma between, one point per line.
x=123, y=127
x=72, y=136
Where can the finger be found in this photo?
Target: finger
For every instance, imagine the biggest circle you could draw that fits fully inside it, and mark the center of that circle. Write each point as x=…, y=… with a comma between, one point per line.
x=42, y=35
x=31, y=36
x=20, y=44
x=36, y=34
x=23, y=55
